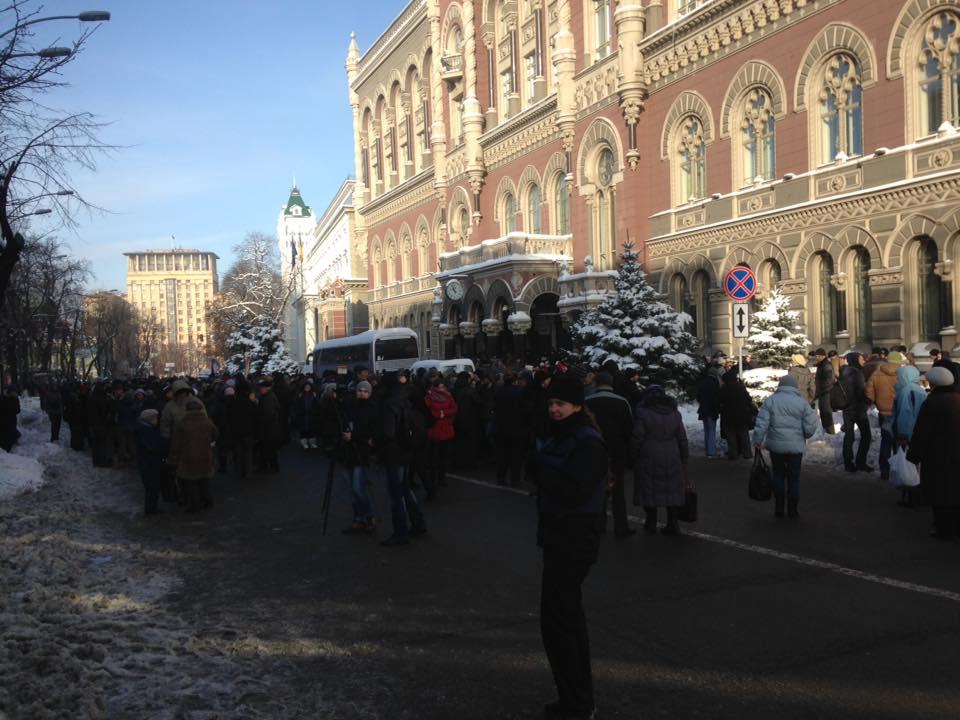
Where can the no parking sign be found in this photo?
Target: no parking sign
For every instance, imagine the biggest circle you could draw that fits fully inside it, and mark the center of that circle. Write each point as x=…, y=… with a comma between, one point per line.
x=740, y=284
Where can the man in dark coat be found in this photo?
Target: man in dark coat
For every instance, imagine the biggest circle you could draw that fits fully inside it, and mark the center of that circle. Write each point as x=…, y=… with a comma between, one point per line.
x=615, y=418
x=935, y=446
x=708, y=398
x=151, y=451
x=823, y=382
x=512, y=431
x=78, y=417
x=9, y=409
x=269, y=428
x=737, y=413
x=53, y=406
x=103, y=424
x=855, y=413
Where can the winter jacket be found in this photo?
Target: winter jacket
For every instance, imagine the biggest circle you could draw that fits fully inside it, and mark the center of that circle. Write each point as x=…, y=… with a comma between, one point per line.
x=660, y=452
x=53, y=401
x=9, y=409
x=443, y=410
x=824, y=377
x=736, y=408
x=806, y=382
x=508, y=413
x=570, y=472
x=906, y=406
x=303, y=414
x=880, y=387
x=269, y=428
x=191, y=450
x=935, y=446
x=360, y=419
x=151, y=450
x=785, y=422
x=615, y=419
x=172, y=413
x=236, y=420
x=854, y=387
x=393, y=419
x=708, y=395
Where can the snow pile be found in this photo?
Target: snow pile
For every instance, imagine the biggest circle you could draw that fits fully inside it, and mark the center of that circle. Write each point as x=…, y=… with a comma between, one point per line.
x=21, y=470
x=822, y=449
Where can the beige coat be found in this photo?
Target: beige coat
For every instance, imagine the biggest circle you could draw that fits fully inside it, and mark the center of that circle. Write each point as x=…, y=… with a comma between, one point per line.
x=191, y=451
x=806, y=382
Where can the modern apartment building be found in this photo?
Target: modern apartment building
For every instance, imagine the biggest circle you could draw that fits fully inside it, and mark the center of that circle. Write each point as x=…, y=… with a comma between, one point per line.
x=173, y=287
x=505, y=149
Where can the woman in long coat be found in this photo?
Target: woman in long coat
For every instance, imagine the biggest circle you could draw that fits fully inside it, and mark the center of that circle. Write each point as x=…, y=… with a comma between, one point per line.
x=191, y=453
x=935, y=446
x=660, y=453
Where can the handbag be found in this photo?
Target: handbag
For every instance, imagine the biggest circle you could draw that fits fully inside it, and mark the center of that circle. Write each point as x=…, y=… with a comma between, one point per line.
x=761, y=484
x=903, y=473
x=688, y=511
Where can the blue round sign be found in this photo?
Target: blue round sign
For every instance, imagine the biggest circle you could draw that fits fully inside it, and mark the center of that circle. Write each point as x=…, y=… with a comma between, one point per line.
x=740, y=284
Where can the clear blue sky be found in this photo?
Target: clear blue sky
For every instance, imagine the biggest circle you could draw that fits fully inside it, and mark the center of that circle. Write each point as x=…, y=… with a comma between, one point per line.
x=217, y=105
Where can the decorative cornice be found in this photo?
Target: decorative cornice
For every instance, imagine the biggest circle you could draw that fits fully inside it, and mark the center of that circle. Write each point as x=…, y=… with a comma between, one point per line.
x=832, y=211
x=716, y=30
x=406, y=196
x=525, y=132
x=391, y=38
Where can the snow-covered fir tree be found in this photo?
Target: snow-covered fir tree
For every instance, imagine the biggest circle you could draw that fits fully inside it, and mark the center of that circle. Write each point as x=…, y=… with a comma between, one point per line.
x=634, y=327
x=774, y=333
x=261, y=342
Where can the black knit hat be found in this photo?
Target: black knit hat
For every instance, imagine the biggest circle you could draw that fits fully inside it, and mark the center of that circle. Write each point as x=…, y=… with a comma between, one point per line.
x=567, y=388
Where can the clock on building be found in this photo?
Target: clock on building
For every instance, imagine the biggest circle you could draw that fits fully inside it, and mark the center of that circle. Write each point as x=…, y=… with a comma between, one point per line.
x=454, y=289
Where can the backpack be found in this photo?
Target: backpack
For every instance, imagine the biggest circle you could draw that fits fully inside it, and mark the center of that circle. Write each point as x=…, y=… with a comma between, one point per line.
x=838, y=396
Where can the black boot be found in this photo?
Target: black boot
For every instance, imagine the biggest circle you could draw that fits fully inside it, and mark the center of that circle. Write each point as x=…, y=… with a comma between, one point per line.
x=778, y=505
x=673, y=526
x=792, y=507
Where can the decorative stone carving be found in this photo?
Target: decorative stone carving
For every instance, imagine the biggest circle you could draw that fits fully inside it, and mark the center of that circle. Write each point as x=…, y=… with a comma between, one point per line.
x=469, y=329
x=588, y=265
x=491, y=327
x=516, y=282
x=519, y=322
x=447, y=331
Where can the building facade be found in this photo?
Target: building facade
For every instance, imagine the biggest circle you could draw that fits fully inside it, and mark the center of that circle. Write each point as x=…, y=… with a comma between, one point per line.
x=328, y=278
x=173, y=288
x=506, y=149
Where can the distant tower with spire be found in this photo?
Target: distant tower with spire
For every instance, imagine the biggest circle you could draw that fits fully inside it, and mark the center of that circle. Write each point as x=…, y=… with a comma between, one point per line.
x=295, y=227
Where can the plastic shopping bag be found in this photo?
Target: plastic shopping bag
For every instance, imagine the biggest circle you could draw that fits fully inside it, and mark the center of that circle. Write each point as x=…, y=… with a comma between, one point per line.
x=903, y=473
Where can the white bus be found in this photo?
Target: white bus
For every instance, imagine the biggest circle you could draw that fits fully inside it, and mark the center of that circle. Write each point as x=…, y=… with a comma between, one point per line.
x=377, y=350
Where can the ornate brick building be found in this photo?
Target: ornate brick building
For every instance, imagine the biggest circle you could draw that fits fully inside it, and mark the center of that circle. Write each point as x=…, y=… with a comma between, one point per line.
x=505, y=149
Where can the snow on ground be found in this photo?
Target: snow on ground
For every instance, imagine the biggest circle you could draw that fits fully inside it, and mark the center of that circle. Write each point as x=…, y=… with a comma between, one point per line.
x=822, y=449
x=91, y=626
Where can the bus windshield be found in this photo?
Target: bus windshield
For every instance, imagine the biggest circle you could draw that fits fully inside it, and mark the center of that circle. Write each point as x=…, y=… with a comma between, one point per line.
x=396, y=349
x=346, y=355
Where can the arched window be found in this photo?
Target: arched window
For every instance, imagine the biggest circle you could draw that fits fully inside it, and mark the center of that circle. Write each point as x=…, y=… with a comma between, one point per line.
x=939, y=78
x=700, y=308
x=533, y=208
x=774, y=274
x=862, y=298
x=841, y=109
x=930, y=291
x=509, y=222
x=757, y=137
x=604, y=211
x=463, y=222
x=827, y=300
x=561, y=204
x=678, y=293
x=692, y=157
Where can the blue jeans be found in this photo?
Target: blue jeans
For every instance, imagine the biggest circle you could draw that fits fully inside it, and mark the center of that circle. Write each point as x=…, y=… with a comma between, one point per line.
x=785, y=469
x=886, y=443
x=402, y=501
x=710, y=436
x=362, y=506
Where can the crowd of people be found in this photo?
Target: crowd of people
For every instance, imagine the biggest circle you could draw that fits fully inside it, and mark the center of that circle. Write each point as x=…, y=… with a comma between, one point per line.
x=570, y=433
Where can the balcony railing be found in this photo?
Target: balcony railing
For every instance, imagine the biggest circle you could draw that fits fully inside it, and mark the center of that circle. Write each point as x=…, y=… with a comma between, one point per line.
x=515, y=245
x=451, y=67
x=403, y=287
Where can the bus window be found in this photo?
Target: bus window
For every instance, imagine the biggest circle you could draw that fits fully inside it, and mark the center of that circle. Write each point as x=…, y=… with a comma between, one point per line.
x=396, y=349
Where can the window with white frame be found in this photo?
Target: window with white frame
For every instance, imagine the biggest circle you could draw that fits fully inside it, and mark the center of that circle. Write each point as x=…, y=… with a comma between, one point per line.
x=509, y=221
x=691, y=158
x=601, y=29
x=757, y=137
x=939, y=77
x=534, y=201
x=604, y=211
x=561, y=204
x=840, y=104
x=530, y=76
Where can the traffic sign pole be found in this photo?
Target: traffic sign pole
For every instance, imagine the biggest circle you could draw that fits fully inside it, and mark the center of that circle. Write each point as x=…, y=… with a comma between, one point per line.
x=740, y=285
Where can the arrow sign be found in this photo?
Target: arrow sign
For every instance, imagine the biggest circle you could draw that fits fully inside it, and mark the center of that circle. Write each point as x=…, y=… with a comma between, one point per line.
x=741, y=320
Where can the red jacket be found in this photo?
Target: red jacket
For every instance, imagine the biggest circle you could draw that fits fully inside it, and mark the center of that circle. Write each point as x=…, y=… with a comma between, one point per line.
x=443, y=409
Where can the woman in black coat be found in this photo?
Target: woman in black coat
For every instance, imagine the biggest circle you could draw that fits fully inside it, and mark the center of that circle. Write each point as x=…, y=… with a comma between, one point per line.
x=935, y=446
x=737, y=413
x=571, y=476
x=304, y=415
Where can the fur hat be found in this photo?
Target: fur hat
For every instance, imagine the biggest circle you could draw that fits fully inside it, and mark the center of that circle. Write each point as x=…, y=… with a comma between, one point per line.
x=939, y=377
x=799, y=360
x=566, y=388
x=149, y=415
x=364, y=385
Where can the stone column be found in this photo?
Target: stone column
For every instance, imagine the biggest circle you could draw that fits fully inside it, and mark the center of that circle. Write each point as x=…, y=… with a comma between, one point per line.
x=438, y=133
x=472, y=115
x=353, y=67
x=564, y=68
x=629, y=18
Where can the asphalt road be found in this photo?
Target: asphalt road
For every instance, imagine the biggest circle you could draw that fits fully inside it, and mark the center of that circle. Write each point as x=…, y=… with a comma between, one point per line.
x=849, y=612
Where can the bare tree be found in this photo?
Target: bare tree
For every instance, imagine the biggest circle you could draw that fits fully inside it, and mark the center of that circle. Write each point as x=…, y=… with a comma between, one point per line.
x=39, y=144
x=110, y=326
x=251, y=287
